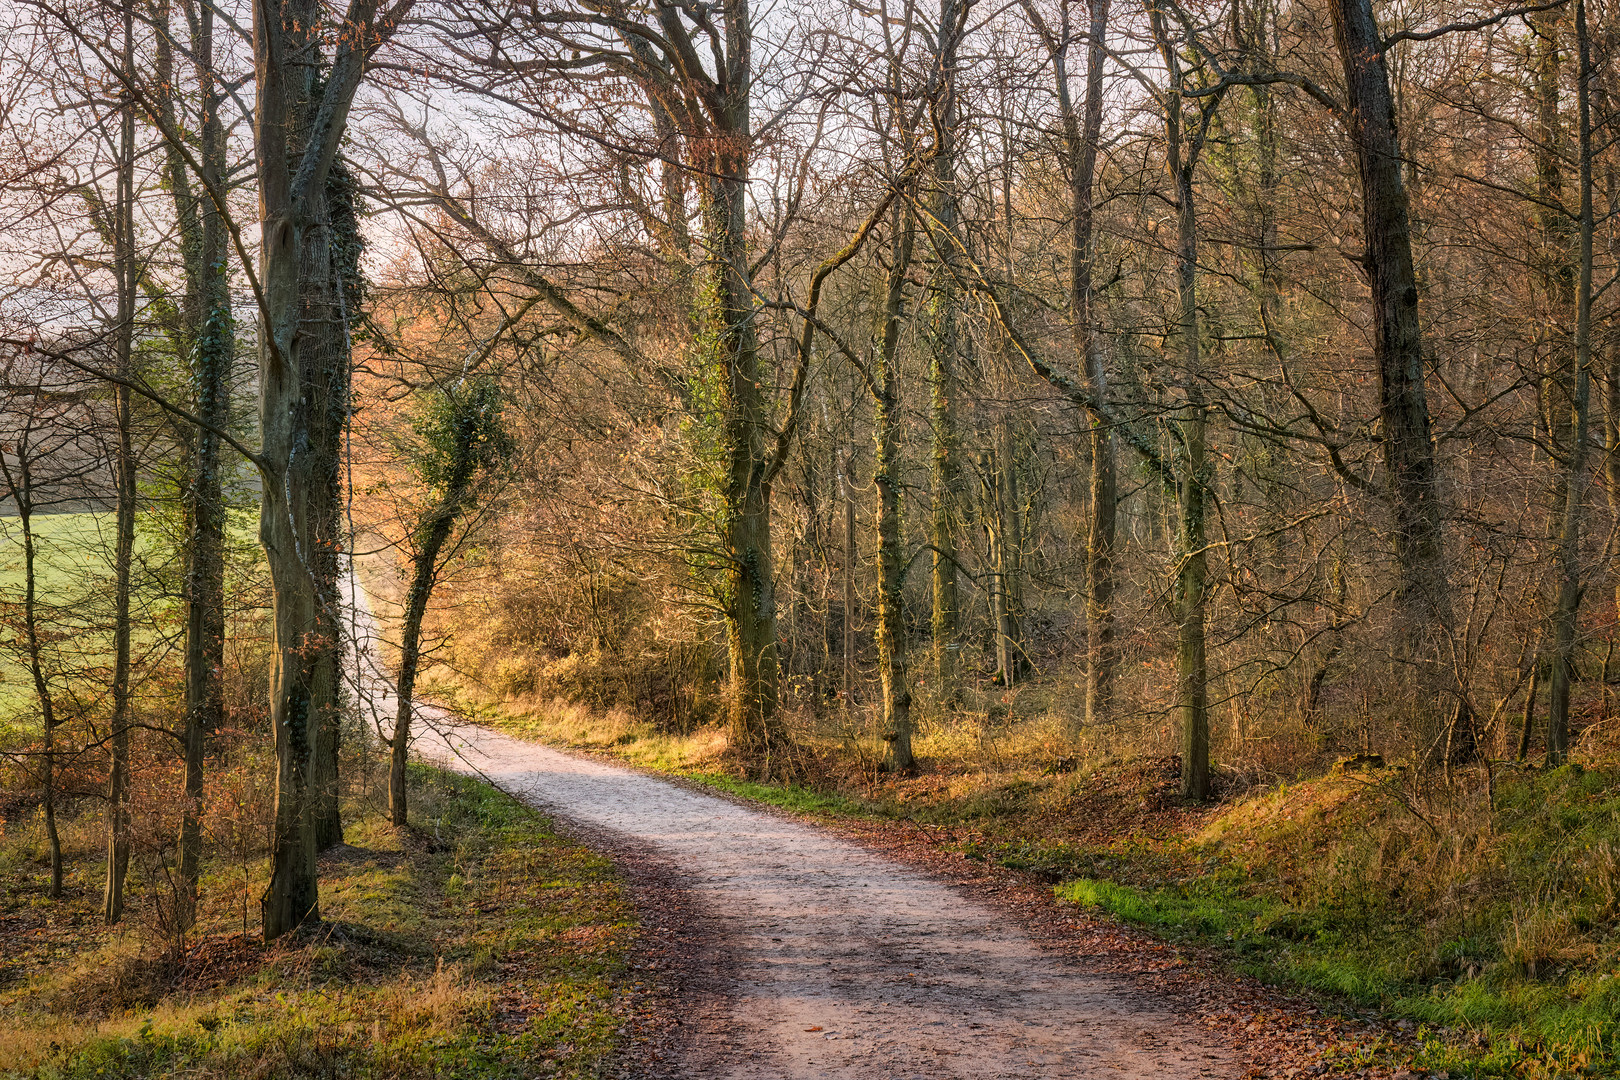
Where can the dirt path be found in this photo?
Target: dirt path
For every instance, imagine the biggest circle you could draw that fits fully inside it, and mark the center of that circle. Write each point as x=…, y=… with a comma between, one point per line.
x=850, y=964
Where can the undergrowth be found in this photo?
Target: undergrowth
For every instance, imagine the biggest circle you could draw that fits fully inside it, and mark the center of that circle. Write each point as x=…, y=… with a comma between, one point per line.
x=477, y=944
x=1495, y=928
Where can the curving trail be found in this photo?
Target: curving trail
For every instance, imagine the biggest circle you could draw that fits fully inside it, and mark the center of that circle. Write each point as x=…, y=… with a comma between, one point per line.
x=845, y=963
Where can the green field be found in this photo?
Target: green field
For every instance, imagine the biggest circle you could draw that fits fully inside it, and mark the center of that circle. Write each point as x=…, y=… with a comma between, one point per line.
x=72, y=564
x=74, y=573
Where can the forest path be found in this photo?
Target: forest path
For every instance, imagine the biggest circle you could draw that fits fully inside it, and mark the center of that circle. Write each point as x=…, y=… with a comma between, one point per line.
x=845, y=963
x=839, y=962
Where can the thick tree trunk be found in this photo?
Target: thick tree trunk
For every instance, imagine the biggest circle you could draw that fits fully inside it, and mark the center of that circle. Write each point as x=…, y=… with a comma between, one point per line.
x=1397, y=333
x=288, y=122
x=296, y=116
x=891, y=633
x=729, y=329
x=330, y=270
x=292, y=896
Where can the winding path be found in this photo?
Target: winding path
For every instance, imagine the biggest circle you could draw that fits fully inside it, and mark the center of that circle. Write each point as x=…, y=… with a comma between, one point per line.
x=845, y=963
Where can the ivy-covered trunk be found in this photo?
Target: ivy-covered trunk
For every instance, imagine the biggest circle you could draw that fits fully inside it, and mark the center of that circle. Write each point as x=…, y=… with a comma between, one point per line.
x=727, y=320
x=209, y=341
x=298, y=124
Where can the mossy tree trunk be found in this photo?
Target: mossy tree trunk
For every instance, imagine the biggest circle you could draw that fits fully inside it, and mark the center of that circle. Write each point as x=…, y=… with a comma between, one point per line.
x=462, y=438
x=298, y=124
x=208, y=341
x=1186, y=131
x=946, y=344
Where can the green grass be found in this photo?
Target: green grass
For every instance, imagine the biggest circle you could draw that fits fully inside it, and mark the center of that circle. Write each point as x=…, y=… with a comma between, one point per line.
x=795, y=797
x=71, y=555
x=73, y=576
x=1500, y=927
x=480, y=944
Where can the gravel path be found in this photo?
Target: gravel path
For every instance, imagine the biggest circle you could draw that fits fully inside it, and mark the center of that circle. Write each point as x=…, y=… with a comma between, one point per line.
x=849, y=964
x=845, y=963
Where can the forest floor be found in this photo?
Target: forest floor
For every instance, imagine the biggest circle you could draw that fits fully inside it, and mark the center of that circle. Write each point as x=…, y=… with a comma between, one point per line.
x=480, y=944
x=870, y=949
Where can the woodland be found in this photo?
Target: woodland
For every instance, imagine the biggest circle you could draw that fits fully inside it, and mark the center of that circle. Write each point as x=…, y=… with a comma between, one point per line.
x=1170, y=447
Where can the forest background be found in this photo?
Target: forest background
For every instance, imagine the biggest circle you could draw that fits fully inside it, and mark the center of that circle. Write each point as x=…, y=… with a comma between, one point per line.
x=1158, y=444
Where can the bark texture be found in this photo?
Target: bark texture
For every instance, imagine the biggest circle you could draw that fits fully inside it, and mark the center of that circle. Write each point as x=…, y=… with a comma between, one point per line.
x=891, y=630
x=1397, y=332
x=297, y=127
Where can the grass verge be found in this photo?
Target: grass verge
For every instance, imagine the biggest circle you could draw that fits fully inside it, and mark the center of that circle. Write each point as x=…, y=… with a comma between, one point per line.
x=478, y=944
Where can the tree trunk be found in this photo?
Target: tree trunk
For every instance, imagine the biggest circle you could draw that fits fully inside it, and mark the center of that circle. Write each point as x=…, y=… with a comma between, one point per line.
x=330, y=276
x=43, y=694
x=298, y=124
x=1566, y=610
x=424, y=573
x=945, y=345
x=1009, y=560
x=1397, y=333
x=891, y=632
x=1182, y=149
x=471, y=435
x=21, y=489
x=1192, y=695
x=1529, y=721
x=1082, y=132
x=1101, y=536
x=728, y=325
x=210, y=337
x=124, y=535
x=850, y=552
